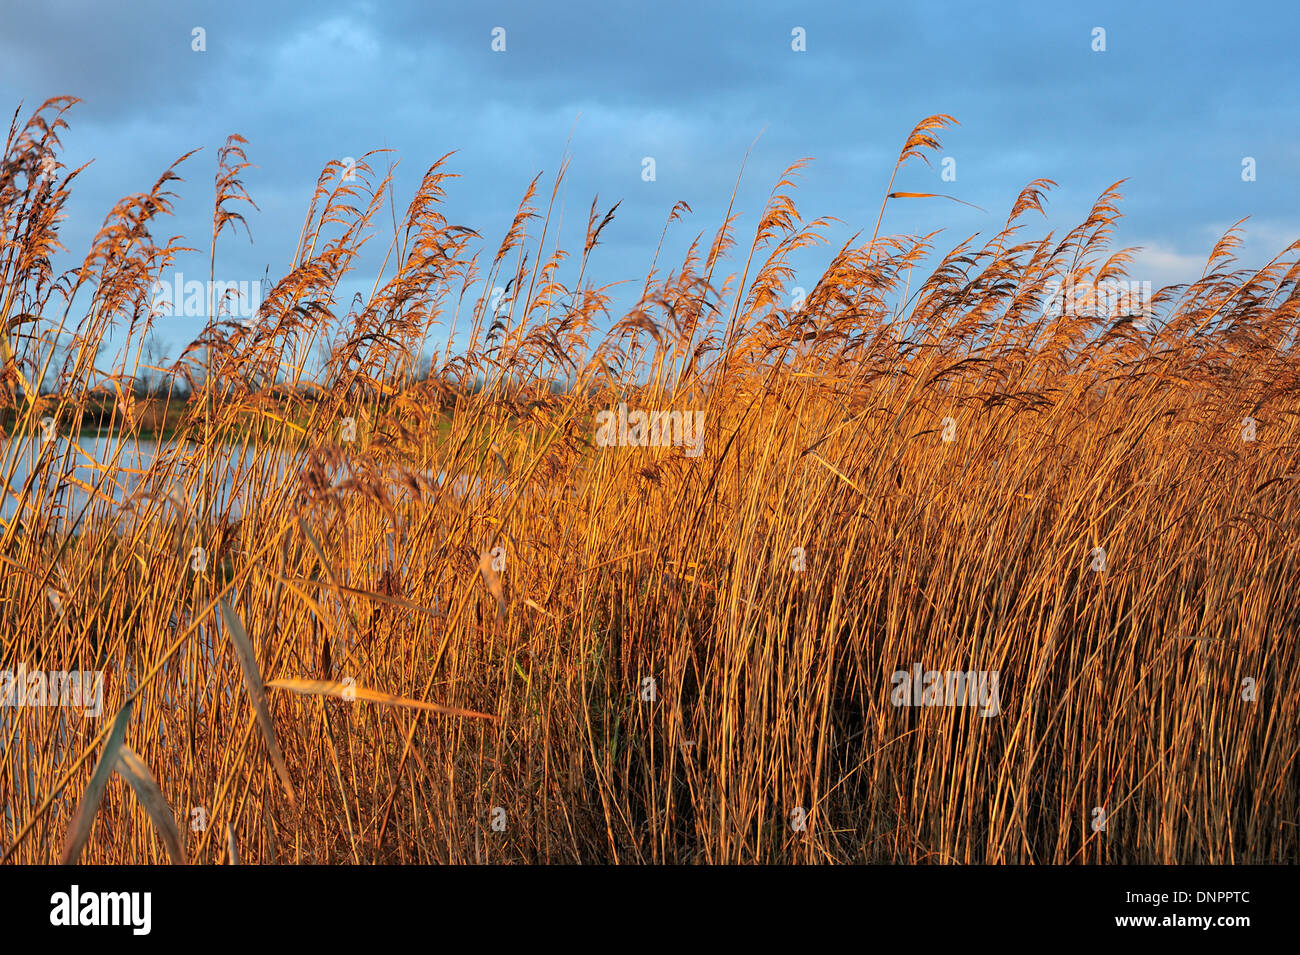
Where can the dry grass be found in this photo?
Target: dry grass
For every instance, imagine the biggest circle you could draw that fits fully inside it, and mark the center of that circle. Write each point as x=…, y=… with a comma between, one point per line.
x=414, y=685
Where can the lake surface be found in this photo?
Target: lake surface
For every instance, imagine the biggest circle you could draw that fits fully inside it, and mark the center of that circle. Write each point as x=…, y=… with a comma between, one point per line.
x=97, y=474
x=100, y=474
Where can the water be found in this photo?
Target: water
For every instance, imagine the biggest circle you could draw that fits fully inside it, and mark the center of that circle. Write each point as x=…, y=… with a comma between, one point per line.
x=102, y=474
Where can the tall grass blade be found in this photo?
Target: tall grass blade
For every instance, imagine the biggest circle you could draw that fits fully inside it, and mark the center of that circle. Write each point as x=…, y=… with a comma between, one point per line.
x=340, y=691
x=84, y=818
x=133, y=769
x=256, y=692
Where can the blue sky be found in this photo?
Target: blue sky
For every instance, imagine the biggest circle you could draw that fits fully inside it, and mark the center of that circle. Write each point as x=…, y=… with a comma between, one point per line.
x=1181, y=95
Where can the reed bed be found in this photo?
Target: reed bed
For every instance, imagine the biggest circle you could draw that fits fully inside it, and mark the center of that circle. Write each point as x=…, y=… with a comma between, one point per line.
x=430, y=618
